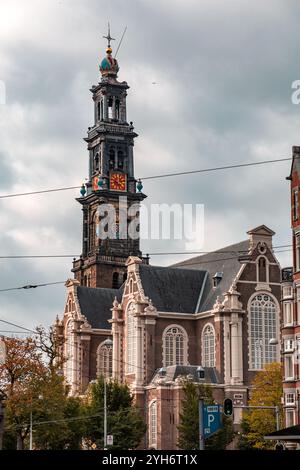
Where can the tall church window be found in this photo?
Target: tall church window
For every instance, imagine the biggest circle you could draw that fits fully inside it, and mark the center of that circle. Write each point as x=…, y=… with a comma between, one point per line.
x=153, y=424
x=98, y=111
x=110, y=108
x=208, y=346
x=263, y=313
x=174, y=346
x=130, y=339
x=262, y=269
x=104, y=359
x=117, y=109
x=92, y=232
x=69, y=351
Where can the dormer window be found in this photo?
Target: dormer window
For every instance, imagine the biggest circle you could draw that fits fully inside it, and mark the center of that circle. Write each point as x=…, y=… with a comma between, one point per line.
x=217, y=278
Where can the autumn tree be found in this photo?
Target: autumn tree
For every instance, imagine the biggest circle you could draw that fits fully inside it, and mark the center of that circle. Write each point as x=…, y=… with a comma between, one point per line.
x=33, y=387
x=124, y=420
x=256, y=423
x=19, y=375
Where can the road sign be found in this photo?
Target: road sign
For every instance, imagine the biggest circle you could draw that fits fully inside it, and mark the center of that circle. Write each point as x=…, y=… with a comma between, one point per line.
x=212, y=419
x=109, y=440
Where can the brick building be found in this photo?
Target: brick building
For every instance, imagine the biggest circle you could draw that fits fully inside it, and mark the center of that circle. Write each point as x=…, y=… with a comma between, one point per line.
x=291, y=306
x=147, y=325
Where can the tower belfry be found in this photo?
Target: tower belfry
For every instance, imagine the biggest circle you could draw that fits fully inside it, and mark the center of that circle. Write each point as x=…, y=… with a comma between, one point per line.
x=110, y=143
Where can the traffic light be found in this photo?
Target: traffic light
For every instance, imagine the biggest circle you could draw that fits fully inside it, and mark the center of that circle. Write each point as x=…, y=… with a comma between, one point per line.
x=227, y=407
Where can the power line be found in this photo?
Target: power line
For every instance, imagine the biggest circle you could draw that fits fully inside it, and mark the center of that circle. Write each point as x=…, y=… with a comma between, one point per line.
x=184, y=263
x=17, y=326
x=166, y=175
x=67, y=188
x=32, y=286
x=227, y=167
x=166, y=253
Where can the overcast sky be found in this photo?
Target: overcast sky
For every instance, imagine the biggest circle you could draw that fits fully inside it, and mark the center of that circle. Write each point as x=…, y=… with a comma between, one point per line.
x=223, y=72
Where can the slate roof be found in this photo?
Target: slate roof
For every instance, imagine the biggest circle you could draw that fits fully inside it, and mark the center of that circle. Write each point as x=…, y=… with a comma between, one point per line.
x=95, y=304
x=172, y=372
x=172, y=289
x=225, y=260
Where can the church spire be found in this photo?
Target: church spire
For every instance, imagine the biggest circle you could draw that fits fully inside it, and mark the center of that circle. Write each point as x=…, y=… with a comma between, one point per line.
x=109, y=65
x=108, y=37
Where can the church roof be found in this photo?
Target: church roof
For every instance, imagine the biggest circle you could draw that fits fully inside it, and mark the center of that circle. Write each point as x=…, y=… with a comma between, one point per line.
x=224, y=261
x=95, y=304
x=186, y=287
x=172, y=289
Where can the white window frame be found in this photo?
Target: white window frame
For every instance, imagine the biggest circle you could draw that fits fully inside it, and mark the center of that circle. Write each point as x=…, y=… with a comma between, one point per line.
x=292, y=412
x=261, y=330
x=175, y=344
x=287, y=313
x=290, y=398
x=287, y=359
x=208, y=346
x=152, y=423
x=69, y=352
x=287, y=292
x=104, y=360
x=289, y=345
x=298, y=304
x=131, y=338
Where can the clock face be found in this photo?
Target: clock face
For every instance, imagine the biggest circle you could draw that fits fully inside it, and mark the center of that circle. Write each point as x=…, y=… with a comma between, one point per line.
x=118, y=181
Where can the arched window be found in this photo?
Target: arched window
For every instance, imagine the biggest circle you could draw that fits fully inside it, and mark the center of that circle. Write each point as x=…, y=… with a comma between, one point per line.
x=174, y=346
x=110, y=108
x=92, y=232
x=69, y=352
x=96, y=164
x=153, y=424
x=98, y=111
x=263, y=313
x=130, y=339
x=117, y=109
x=104, y=359
x=115, y=281
x=208, y=346
x=120, y=160
x=262, y=269
x=111, y=158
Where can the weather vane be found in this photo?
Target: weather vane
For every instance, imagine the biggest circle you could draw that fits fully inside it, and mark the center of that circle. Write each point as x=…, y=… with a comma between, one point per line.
x=108, y=37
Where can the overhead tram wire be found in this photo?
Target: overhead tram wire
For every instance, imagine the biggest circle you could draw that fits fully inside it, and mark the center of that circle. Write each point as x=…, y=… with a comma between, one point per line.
x=186, y=263
x=32, y=286
x=166, y=175
x=166, y=253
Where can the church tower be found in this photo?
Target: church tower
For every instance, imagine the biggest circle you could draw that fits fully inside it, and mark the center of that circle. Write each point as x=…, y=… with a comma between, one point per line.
x=111, y=181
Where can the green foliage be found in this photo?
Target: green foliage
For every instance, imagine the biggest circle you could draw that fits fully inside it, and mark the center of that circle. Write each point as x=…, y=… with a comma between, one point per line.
x=124, y=421
x=267, y=391
x=189, y=420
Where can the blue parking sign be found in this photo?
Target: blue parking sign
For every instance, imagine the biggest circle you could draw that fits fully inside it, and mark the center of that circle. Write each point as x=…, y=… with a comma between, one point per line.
x=212, y=419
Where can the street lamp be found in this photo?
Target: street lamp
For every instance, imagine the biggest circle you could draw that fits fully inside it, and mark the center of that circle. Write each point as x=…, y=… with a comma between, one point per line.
x=108, y=342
